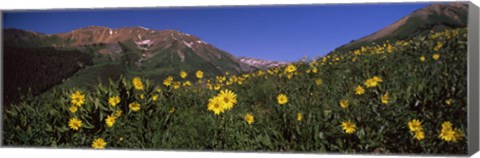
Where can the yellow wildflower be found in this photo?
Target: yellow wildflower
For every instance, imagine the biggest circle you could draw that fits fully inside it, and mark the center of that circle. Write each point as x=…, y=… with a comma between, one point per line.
x=389, y=48
x=118, y=113
x=359, y=90
x=348, y=127
x=99, y=143
x=137, y=83
x=176, y=84
x=113, y=101
x=75, y=124
x=415, y=125
x=318, y=81
x=449, y=101
x=77, y=98
x=422, y=58
x=215, y=105
x=158, y=89
x=249, y=118
x=385, y=99
x=110, y=120
x=229, y=98
x=168, y=81
x=186, y=83
x=438, y=46
x=419, y=135
x=371, y=83
x=299, y=117
x=377, y=79
x=344, y=103
x=134, y=106
x=282, y=99
x=183, y=74
x=199, y=74
x=155, y=97
x=217, y=87
x=290, y=68
x=73, y=109
x=447, y=125
x=448, y=133
x=436, y=56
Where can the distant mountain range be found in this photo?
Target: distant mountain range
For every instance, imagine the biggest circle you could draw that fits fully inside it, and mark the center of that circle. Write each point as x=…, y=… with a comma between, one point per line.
x=260, y=63
x=109, y=53
x=153, y=48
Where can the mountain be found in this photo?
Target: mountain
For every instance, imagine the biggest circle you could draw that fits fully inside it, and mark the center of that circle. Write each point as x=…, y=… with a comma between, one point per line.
x=141, y=49
x=435, y=17
x=96, y=54
x=260, y=63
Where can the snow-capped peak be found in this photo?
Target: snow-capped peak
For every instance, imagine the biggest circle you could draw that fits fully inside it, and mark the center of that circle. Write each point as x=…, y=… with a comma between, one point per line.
x=143, y=28
x=260, y=63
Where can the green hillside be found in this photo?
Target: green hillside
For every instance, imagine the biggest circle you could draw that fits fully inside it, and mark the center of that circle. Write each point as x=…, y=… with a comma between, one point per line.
x=400, y=97
x=435, y=17
x=31, y=71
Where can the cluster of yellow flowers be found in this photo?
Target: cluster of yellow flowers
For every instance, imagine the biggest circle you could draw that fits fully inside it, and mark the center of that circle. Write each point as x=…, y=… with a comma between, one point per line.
x=221, y=81
x=386, y=47
x=348, y=126
x=113, y=101
x=373, y=82
x=225, y=100
x=290, y=71
x=415, y=126
x=168, y=81
x=77, y=99
x=448, y=133
x=438, y=46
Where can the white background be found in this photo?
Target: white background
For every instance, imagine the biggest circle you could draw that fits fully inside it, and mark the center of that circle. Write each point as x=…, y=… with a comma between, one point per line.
x=88, y=153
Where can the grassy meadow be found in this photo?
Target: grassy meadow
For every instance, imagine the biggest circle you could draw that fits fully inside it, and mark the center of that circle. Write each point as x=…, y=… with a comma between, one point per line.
x=393, y=97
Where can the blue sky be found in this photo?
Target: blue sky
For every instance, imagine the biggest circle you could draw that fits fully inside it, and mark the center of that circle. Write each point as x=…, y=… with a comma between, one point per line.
x=283, y=33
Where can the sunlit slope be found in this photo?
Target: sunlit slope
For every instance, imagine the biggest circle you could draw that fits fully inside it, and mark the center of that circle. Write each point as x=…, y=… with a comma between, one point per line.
x=399, y=97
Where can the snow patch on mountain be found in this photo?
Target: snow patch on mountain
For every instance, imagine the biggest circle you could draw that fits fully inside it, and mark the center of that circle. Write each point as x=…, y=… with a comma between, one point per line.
x=144, y=28
x=189, y=45
x=200, y=41
x=147, y=42
x=260, y=63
